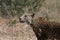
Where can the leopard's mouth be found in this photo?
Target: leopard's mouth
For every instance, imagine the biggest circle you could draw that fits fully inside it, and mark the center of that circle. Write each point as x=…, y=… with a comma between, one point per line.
x=22, y=21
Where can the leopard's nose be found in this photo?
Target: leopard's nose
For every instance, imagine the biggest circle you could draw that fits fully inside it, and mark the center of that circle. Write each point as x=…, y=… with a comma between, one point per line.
x=21, y=21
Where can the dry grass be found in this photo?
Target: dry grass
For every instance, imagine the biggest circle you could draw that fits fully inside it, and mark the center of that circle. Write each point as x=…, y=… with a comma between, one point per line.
x=16, y=32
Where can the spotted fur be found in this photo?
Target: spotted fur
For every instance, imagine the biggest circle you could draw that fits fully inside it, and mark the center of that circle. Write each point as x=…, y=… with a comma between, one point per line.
x=43, y=28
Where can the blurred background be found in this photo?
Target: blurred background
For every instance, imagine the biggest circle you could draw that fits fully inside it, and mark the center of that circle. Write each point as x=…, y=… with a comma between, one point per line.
x=11, y=10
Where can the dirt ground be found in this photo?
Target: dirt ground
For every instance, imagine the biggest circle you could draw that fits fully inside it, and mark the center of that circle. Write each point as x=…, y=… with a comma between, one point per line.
x=17, y=32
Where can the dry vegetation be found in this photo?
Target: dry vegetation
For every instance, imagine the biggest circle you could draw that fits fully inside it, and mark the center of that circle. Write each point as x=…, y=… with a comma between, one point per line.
x=11, y=29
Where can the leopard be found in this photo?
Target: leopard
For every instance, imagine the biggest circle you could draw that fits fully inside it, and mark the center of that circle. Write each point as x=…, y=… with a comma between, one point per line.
x=42, y=27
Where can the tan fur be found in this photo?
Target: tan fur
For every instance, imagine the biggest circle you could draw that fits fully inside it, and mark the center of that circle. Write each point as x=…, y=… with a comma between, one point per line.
x=48, y=27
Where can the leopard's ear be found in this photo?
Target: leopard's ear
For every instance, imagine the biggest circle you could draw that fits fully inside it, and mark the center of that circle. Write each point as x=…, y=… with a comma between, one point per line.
x=32, y=14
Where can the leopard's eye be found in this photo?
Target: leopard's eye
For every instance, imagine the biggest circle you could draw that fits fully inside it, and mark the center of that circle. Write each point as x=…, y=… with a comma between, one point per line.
x=25, y=15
